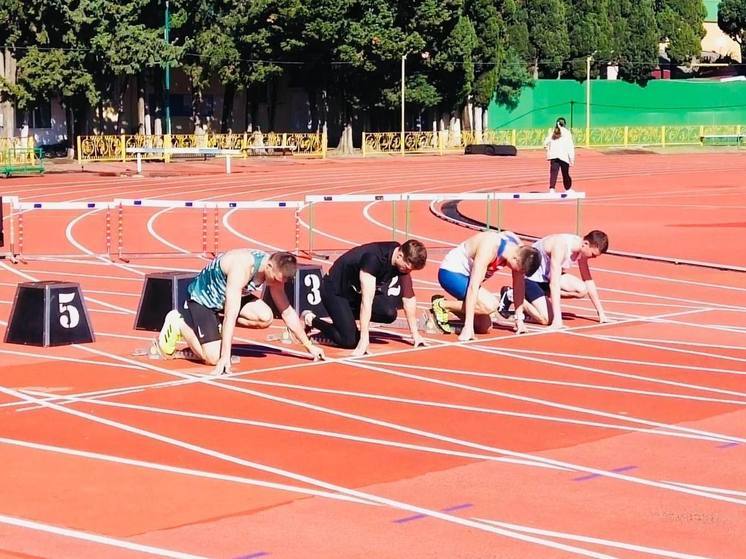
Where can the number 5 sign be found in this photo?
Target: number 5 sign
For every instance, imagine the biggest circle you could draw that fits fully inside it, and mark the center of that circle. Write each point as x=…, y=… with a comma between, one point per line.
x=49, y=313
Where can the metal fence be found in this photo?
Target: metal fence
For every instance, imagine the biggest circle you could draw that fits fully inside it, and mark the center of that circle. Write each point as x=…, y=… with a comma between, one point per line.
x=114, y=148
x=618, y=136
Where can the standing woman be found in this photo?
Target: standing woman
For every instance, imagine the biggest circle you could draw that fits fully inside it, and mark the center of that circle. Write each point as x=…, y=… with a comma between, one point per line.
x=560, y=153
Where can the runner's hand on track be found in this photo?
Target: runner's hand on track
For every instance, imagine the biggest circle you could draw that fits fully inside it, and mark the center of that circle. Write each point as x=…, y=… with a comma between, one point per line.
x=223, y=366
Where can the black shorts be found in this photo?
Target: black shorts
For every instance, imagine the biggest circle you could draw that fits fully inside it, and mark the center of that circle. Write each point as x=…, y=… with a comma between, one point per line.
x=536, y=290
x=207, y=322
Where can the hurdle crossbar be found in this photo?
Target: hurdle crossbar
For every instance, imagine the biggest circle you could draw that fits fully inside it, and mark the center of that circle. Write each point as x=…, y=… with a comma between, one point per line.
x=488, y=197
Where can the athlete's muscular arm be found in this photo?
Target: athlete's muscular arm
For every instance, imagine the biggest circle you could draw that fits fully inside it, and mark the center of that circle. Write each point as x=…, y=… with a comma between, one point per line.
x=238, y=268
x=485, y=252
x=585, y=274
x=557, y=253
x=368, y=291
x=291, y=319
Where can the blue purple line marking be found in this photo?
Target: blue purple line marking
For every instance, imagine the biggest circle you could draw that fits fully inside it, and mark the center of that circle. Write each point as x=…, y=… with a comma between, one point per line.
x=615, y=470
x=419, y=516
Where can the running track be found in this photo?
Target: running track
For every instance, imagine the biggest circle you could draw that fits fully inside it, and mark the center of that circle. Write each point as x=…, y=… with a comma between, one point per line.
x=621, y=440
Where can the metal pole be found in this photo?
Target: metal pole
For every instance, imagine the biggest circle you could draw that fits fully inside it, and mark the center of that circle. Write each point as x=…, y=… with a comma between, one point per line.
x=403, y=63
x=588, y=101
x=488, y=213
x=406, y=221
x=166, y=33
x=393, y=220
x=310, y=229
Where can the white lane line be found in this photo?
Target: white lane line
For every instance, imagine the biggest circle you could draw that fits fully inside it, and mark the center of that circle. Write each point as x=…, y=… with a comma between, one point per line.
x=306, y=430
x=711, y=489
x=182, y=471
x=534, y=380
x=548, y=403
x=81, y=248
x=673, y=342
x=629, y=361
x=658, y=552
x=312, y=481
x=478, y=409
x=679, y=350
x=95, y=538
x=70, y=359
x=410, y=430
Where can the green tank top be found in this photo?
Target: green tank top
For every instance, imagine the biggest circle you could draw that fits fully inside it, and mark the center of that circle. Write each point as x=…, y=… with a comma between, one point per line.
x=208, y=288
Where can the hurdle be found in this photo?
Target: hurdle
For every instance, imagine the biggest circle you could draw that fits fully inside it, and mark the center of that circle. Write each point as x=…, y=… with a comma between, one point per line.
x=209, y=228
x=18, y=225
x=396, y=200
x=116, y=232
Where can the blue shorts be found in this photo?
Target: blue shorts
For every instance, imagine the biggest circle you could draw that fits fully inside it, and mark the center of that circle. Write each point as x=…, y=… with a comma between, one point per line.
x=536, y=290
x=454, y=283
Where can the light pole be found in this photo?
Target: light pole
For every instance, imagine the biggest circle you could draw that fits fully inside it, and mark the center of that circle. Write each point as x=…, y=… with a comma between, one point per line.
x=425, y=55
x=403, y=74
x=588, y=98
x=166, y=33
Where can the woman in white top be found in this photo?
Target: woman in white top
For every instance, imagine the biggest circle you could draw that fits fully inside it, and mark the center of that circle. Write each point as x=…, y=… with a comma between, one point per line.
x=560, y=153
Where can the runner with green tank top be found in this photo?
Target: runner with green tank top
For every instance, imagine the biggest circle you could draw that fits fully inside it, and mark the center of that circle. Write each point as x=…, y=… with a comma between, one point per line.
x=224, y=287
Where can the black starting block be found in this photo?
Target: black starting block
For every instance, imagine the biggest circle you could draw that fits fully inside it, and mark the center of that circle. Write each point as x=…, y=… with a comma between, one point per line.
x=303, y=291
x=162, y=292
x=49, y=313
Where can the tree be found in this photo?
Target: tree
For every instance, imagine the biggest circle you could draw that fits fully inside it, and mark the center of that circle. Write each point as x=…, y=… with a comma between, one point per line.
x=549, y=40
x=591, y=35
x=128, y=41
x=680, y=26
x=512, y=70
x=635, y=40
x=732, y=20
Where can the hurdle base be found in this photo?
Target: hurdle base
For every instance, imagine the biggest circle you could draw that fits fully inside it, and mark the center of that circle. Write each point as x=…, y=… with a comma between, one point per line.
x=310, y=255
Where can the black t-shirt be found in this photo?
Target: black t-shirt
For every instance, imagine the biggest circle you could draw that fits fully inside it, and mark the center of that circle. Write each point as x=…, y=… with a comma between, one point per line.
x=374, y=259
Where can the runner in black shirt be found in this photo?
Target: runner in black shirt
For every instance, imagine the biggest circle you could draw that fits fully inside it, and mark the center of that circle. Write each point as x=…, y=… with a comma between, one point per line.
x=365, y=283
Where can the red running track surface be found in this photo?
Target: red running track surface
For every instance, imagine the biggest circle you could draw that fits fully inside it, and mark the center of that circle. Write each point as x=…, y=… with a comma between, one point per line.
x=617, y=440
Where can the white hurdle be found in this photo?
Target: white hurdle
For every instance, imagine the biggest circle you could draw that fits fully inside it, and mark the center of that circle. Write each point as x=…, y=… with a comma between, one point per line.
x=309, y=202
x=407, y=198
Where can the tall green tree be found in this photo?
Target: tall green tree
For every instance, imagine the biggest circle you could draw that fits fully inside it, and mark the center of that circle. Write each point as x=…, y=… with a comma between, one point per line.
x=635, y=39
x=126, y=41
x=512, y=69
x=732, y=20
x=680, y=27
x=590, y=35
x=549, y=40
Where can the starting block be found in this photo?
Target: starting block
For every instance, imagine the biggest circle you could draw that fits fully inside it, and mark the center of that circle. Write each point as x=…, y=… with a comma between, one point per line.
x=49, y=313
x=303, y=291
x=162, y=292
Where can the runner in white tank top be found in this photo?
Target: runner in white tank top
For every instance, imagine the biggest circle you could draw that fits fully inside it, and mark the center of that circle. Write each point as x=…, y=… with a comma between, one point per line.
x=467, y=266
x=551, y=282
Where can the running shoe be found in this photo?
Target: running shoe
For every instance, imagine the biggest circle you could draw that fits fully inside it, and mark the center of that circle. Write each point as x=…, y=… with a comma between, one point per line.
x=320, y=339
x=170, y=334
x=506, y=299
x=306, y=318
x=440, y=313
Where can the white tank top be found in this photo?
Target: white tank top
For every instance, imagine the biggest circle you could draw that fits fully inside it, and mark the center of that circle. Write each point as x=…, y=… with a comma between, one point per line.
x=544, y=270
x=459, y=261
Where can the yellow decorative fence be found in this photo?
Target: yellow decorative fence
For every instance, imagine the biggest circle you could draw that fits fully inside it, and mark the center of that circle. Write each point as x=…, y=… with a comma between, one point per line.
x=114, y=148
x=602, y=137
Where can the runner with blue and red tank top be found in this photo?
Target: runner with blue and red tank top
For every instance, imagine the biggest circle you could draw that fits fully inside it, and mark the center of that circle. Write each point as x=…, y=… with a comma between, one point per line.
x=464, y=270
